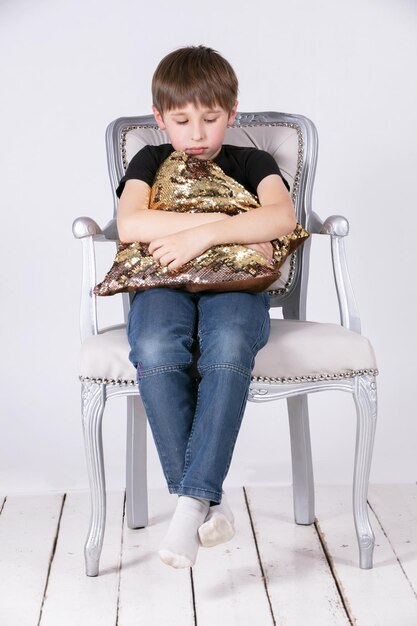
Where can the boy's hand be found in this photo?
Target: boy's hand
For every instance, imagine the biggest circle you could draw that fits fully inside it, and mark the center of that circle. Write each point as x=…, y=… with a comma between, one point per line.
x=175, y=250
x=264, y=248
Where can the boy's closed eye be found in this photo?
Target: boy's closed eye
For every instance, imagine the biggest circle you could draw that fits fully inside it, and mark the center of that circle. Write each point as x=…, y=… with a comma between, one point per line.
x=208, y=121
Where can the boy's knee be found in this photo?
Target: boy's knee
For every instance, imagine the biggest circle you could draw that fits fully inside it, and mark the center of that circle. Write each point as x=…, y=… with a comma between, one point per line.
x=159, y=350
x=228, y=348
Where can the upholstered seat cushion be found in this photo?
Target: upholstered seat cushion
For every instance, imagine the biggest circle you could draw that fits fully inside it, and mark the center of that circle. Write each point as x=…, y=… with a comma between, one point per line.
x=294, y=350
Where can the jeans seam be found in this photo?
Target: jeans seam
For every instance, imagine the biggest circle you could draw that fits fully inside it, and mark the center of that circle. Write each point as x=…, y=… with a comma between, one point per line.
x=245, y=375
x=158, y=442
x=225, y=366
x=190, y=437
x=160, y=369
x=236, y=432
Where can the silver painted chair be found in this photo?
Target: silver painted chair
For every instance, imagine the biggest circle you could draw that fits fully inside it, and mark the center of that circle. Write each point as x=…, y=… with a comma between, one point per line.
x=301, y=357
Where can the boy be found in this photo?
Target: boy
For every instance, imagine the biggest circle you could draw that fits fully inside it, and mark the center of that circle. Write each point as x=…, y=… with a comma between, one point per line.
x=195, y=423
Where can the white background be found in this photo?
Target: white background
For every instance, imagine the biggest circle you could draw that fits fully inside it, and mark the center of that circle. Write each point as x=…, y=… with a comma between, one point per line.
x=67, y=70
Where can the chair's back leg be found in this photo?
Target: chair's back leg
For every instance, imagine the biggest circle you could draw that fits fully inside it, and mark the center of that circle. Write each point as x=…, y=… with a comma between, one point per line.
x=302, y=465
x=93, y=397
x=366, y=409
x=136, y=476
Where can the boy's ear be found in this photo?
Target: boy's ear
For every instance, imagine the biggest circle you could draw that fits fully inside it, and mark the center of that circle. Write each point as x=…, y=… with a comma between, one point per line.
x=158, y=118
x=232, y=114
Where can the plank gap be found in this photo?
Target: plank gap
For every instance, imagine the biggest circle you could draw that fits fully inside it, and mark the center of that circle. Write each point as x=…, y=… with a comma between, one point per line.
x=330, y=563
x=259, y=556
x=119, y=571
x=51, y=558
x=392, y=548
x=193, y=596
x=2, y=505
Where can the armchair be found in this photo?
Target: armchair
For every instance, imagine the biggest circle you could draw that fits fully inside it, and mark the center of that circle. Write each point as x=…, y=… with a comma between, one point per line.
x=301, y=357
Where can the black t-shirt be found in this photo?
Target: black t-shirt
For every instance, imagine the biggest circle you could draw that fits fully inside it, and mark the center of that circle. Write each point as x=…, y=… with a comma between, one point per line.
x=248, y=166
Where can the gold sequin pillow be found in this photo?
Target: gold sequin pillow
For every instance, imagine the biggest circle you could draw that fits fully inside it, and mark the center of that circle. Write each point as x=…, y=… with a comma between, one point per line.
x=186, y=184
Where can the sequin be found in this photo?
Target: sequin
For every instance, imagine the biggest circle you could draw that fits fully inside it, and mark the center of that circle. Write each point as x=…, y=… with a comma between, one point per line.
x=186, y=184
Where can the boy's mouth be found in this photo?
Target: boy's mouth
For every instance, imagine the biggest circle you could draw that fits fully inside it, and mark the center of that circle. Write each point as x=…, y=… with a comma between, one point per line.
x=195, y=151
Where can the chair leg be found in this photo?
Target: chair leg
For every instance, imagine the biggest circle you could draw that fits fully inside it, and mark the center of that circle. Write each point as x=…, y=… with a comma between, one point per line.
x=93, y=401
x=302, y=465
x=136, y=476
x=366, y=408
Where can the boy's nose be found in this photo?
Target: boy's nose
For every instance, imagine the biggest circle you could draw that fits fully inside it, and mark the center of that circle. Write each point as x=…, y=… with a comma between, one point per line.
x=197, y=132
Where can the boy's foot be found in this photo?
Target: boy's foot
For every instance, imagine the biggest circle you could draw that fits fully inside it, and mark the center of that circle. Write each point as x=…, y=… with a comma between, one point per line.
x=181, y=544
x=218, y=526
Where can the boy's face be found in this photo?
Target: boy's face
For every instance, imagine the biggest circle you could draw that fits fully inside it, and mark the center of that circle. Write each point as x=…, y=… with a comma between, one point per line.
x=196, y=130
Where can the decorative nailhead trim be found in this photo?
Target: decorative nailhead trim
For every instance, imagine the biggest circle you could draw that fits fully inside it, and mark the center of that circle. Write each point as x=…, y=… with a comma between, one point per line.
x=314, y=379
x=285, y=289
x=108, y=381
x=123, y=137
x=255, y=379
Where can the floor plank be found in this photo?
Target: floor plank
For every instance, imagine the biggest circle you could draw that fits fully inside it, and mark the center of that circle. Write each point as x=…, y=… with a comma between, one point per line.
x=72, y=597
x=227, y=580
x=152, y=593
x=396, y=509
x=229, y=589
x=380, y=596
x=28, y=527
x=299, y=580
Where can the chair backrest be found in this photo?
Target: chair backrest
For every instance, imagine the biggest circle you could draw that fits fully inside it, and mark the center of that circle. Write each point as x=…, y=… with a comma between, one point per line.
x=290, y=139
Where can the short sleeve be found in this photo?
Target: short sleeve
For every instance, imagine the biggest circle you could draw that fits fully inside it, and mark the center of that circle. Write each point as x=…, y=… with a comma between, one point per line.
x=144, y=165
x=260, y=164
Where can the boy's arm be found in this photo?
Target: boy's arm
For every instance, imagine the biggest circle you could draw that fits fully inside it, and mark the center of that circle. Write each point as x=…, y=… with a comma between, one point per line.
x=135, y=222
x=274, y=218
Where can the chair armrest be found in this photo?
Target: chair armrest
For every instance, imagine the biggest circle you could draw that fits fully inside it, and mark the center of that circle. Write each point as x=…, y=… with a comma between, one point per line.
x=337, y=227
x=89, y=232
x=87, y=227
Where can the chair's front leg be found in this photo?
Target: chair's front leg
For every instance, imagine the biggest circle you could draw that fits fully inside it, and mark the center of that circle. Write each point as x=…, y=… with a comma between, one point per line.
x=136, y=479
x=366, y=408
x=93, y=402
x=302, y=465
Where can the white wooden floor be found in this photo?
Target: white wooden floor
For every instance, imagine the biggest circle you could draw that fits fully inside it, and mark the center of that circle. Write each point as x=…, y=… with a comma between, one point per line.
x=272, y=572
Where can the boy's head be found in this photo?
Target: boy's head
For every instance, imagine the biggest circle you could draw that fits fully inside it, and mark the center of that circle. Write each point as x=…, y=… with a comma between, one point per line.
x=194, y=93
x=194, y=74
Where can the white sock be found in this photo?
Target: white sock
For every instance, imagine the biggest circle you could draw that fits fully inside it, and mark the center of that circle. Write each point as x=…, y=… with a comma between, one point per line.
x=218, y=526
x=181, y=544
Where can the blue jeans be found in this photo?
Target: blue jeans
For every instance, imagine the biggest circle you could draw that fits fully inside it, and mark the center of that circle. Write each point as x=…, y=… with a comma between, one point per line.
x=195, y=412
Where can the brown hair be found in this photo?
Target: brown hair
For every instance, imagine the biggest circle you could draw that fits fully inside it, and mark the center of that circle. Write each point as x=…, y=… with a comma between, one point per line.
x=194, y=74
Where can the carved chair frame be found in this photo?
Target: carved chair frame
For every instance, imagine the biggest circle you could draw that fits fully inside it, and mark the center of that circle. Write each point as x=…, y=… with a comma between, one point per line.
x=292, y=299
